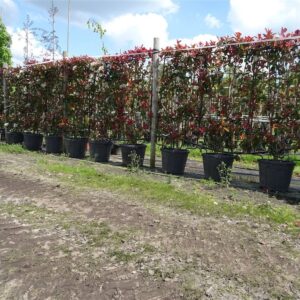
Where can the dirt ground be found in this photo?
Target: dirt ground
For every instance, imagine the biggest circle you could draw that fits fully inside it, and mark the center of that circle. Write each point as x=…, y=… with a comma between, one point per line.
x=58, y=241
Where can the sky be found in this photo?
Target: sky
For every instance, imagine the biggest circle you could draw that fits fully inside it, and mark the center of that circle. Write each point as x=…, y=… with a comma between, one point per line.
x=131, y=23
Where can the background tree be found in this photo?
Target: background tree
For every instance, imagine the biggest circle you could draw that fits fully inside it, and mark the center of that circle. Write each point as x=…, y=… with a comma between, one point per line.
x=29, y=32
x=49, y=38
x=5, y=42
x=97, y=28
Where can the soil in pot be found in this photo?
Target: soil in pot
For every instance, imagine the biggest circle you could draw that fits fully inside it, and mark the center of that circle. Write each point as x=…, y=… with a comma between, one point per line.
x=14, y=137
x=76, y=147
x=100, y=150
x=129, y=151
x=275, y=175
x=33, y=141
x=211, y=162
x=174, y=160
x=54, y=144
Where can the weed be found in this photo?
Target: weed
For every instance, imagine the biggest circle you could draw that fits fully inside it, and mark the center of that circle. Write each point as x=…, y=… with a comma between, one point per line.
x=122, y=256
x=148, y=248
x=209, y=183
x=225, y=174
x=135, y=162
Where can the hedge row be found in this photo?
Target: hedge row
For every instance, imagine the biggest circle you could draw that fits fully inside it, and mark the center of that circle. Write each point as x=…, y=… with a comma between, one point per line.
x=214, y=94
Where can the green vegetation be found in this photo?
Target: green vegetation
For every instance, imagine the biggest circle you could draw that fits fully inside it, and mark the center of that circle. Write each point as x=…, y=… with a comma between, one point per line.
x=95, y=232
x=141, y=187
x=14, y=149
x=5, y=42
x=123, y=256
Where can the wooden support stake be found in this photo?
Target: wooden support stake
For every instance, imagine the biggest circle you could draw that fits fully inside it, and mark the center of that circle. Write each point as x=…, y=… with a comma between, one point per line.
x=5, y=104
x=155, y=64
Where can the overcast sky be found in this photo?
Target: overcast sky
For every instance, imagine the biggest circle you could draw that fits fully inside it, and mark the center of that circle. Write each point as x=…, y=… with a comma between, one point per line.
x=132, y=23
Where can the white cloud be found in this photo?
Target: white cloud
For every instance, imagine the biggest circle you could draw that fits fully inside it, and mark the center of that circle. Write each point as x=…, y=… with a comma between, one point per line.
x=137, y=29
x=194, y=40
x=212, y=21
x=8, y=11
x=82, y=10
x=253, y=16
x=36, y=49
x=131, y=30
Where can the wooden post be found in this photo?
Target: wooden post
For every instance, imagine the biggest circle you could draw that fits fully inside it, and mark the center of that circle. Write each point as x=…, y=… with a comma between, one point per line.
x=65, y=83
x=65, y=54
x=5, y=104
x=155, y=63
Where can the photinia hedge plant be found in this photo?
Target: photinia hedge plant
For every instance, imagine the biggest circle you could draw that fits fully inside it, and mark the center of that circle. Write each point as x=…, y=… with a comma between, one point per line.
x=78, y=95
x=130, y=86
x=184, y=91
x=238, y=93
x=2, y=118
x=273, y=80
x=16, y=92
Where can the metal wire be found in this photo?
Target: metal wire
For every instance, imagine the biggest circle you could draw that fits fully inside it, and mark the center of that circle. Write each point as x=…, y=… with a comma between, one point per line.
x=151, y=51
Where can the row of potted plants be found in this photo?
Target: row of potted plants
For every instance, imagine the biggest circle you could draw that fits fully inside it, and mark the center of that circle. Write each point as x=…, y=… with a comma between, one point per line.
x=216, y=96
x=173, y=161
x=99, y=150
x=213, y=97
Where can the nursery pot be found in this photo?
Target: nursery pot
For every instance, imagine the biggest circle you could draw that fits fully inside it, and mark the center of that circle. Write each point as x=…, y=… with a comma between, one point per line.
x=2, y=134
x=76, y=147
x=13, y=137
x=54, y=144
x=128, y=149
x=33, y=141
x=211, y=162
x=100, y=150
x=275, y=175
x=174, y=160
x=115, y=149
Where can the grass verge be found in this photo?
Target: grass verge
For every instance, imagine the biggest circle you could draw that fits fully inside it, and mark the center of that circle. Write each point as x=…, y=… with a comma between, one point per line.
x=13, y=149
x=140, y=187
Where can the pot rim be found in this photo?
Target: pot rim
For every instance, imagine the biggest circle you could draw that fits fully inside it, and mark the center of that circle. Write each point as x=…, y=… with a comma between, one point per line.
x=102, y=141
x=53, y=136
x=218, y=153
x=32, y=133
x=77, y=138
x=133, y=145
x=174, y=150
x=11, y=131
x=276, y=161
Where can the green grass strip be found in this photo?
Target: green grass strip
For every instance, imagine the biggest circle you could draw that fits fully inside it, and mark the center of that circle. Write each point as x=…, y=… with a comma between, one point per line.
x=13, y=149
x=141, y=187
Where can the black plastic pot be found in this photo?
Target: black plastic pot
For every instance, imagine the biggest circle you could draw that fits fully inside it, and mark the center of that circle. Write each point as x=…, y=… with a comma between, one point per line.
x=275, y=175
x=211, y=162
x=14, y=137
x=2, y=134
x=128, y=149
x=115, y=149
x=33, y=141
x=100, y=150
x=174, y=160
x=76, y=147
x=54, y=144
